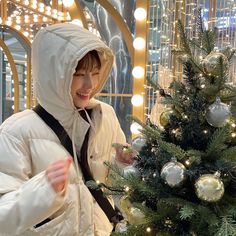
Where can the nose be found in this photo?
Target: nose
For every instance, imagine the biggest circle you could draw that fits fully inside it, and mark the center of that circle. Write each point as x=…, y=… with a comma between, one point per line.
x=88, y=82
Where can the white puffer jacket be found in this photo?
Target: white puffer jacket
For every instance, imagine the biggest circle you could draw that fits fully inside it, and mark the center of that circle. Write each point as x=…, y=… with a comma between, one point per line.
x=28, y=145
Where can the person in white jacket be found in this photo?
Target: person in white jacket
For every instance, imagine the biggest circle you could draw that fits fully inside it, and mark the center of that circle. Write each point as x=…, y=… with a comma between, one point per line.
x=42, y=188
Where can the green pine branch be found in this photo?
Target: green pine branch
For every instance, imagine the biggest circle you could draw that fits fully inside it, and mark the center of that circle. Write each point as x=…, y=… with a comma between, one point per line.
x=217, y=143
x=199, y=25
x=183, y=39
x=229, y=155
x=147, y=131
x=209, y=39
x=186, y=212
x=195, y=43
x=174, y=150
x=229, y=53
x=194, y=156
x=228, y=227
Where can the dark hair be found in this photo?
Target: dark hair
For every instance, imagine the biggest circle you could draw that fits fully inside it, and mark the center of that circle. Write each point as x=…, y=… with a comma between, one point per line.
x=88, y=62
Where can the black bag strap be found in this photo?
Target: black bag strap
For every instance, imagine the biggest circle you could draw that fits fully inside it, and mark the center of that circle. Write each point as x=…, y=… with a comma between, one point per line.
x=112, y=214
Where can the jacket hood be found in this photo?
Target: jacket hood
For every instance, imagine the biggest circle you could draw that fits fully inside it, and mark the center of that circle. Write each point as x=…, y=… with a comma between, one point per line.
x=56, y=51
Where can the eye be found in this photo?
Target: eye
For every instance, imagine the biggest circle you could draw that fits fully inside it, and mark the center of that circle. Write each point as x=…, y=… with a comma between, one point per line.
x=95, y=73
x=79, y=74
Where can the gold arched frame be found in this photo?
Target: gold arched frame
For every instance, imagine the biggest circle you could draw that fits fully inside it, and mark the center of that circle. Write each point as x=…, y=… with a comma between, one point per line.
x=140, y=59
x=76, y=12
x=121, y=24
x=27, y=46
x=14, y=74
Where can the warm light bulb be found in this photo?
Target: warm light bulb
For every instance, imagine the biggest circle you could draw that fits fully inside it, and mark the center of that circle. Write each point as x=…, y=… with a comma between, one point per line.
x=8, y=22
x=140, y=13
x=127, y=189
x=137, y=100
x=18, y=27
x=187, y=162
x=138, y=72
x=26, y=34
x=139, y=43
x=67, y=3
x=135, y=128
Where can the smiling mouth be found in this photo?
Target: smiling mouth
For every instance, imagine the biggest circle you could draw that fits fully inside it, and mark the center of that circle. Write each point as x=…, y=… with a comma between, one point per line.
x=83, y=96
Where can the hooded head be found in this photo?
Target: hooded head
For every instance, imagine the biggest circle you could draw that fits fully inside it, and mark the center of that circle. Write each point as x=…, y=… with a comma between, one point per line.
x=56, y=51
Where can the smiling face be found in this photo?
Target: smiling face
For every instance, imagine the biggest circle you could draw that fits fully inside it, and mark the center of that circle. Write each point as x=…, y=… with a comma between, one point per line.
x=85, y=79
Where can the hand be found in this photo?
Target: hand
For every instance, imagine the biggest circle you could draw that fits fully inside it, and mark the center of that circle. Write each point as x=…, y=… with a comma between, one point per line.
x=125, y=154
x=57, y=174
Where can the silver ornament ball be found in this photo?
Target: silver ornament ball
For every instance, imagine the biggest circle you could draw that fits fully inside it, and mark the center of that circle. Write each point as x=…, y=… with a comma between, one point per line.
x=121, y=227
x=174, y=173
x=209, y=188
x=130, y=171
x=138, y=143
x=218, y=113
x=211, y=61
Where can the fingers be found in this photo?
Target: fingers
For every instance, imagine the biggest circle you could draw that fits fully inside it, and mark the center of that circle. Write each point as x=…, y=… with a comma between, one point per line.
x=57, y=174
x=125, y=153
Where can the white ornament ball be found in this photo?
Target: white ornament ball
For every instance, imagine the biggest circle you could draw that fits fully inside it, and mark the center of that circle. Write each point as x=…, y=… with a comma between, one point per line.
x=121, y=227
x=209, y=188
x=211, y=61
x=130, y=171
x=218, y=113
x=174, y=173
x=138, y=143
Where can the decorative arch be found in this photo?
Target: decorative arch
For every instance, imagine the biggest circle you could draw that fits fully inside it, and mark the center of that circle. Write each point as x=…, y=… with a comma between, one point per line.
x=76, y=12
x=121, y=24
x=26, y=44
x=14, y=74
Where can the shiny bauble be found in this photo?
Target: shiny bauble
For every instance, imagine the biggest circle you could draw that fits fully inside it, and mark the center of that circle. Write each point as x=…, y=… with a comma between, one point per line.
x=135, y=216
x=121, y=227
x=138, y=143
x=125, y=204
x=209, y=188
x=130, y=171
x=218, y=113
x=211, y=62
x=173, y=173
x=165, y=117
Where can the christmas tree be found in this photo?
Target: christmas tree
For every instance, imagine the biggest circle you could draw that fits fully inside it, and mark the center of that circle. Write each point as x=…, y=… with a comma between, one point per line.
x=184, y=179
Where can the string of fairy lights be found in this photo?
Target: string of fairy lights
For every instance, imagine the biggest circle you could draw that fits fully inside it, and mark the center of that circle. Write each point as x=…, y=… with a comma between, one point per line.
x=163, y=38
